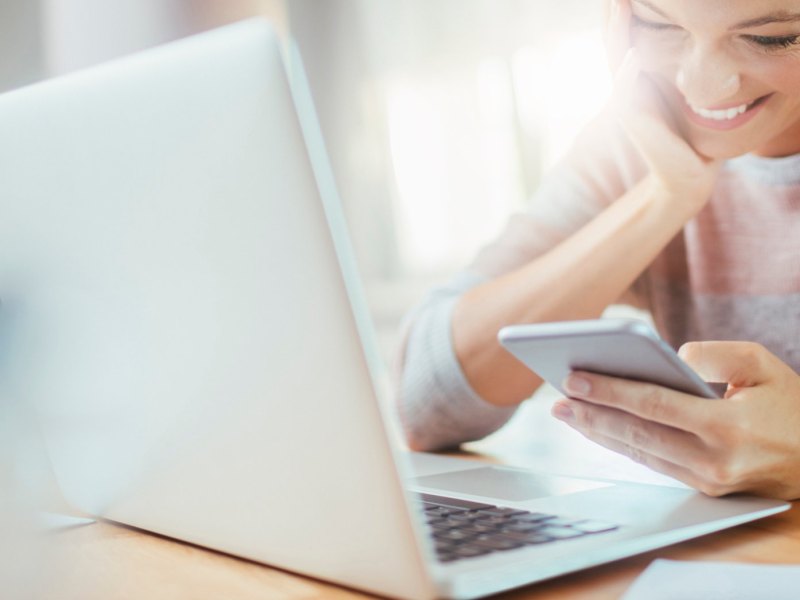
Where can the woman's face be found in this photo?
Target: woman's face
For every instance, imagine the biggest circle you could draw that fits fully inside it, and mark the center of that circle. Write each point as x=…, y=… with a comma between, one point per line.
x=728, y=69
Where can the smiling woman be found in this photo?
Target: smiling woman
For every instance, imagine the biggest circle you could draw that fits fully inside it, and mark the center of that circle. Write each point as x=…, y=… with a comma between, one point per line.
x=682, y=198
x=735, y=72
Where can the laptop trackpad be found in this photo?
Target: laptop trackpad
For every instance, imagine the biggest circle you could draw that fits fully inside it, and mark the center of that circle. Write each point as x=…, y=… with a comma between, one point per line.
x=506, y=484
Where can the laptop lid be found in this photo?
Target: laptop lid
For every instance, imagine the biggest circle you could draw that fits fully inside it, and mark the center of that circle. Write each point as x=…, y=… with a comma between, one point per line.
x=178, y=315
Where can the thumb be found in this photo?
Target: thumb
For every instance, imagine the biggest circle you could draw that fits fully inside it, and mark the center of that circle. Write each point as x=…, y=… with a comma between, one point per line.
x=739, y=364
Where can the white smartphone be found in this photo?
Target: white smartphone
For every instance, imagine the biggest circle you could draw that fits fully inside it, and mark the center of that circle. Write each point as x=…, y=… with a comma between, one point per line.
x=626, y=348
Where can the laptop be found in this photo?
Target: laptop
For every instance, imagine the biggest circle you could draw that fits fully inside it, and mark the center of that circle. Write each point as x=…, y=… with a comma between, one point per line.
x=181, y=306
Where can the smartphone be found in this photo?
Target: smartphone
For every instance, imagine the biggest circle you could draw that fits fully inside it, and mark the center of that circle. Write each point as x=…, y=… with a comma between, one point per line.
x=626, y=348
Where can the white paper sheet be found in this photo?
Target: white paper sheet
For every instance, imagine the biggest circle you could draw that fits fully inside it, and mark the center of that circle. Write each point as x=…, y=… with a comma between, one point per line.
x=690, y=580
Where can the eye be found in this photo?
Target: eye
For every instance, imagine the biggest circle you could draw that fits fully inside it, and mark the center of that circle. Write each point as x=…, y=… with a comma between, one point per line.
x=639, y=22
x=775, y=43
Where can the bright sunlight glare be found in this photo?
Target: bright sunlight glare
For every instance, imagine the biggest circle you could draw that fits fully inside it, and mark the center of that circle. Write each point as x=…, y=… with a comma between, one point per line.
x=455, y=137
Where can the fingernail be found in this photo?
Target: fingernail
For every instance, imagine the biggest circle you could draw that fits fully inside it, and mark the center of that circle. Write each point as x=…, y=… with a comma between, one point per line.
x=563, y=412
x=577, y=385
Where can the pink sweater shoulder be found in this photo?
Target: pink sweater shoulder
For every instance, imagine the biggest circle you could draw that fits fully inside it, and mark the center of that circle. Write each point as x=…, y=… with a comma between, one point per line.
x=732, y=273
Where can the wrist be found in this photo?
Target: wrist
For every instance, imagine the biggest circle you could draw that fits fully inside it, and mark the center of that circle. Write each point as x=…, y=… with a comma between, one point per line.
x=686, y=199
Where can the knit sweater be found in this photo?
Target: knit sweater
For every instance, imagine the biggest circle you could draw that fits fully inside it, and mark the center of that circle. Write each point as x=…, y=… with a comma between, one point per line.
x=732, y=273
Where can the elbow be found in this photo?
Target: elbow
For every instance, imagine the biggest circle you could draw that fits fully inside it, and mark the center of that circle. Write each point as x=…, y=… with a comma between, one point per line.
x=415, y=440
x=423, y=439
x=417, y=443
x=415, y=432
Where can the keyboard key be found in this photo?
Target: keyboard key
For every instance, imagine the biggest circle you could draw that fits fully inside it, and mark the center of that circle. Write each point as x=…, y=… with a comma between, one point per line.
x=441, y=511
x=463, y=517
x=502, y=512
x=455, y=523
x=433, y=520
x=533, y=517
x=522, y=527
x=532, y=537
x=443, y=546
x=453, y=535
x=470, y=551
x=494, y=542
x=443, y=526
x=486, y=520
x=478, y=529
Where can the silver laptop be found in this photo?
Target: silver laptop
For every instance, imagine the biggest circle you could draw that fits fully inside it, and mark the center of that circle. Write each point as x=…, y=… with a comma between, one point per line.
x=180, y=305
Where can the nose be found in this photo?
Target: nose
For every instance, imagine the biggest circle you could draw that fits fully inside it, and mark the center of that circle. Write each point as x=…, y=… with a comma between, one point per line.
x=707, y=77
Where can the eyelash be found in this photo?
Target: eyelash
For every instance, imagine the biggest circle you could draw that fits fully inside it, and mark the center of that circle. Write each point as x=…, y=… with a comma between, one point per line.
x=775, y=43
x=766, y=42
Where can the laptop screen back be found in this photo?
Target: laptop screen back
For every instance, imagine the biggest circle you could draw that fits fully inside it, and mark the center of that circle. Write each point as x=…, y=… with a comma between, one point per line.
x=179, y=318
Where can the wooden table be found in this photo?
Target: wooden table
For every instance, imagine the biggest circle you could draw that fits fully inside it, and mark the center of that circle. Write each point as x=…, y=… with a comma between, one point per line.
x=112, y=562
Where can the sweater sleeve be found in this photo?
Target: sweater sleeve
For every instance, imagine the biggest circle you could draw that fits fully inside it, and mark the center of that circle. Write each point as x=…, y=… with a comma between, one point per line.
x=437, y=406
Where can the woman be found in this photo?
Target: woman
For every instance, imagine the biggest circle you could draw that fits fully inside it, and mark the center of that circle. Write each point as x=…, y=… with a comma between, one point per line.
x=683, y=200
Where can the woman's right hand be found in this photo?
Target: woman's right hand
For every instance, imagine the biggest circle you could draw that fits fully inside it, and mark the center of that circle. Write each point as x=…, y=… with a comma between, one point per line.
x=676, y=169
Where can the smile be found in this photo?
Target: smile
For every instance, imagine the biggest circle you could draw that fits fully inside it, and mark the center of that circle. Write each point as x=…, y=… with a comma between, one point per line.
x=721, y=115
x=727, y=117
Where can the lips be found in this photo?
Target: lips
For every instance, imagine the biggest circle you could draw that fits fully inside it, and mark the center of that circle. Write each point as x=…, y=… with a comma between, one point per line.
x=725, y=117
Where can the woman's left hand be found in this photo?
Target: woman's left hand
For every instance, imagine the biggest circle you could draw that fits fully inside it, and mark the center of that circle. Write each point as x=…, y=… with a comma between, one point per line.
x=747, y=442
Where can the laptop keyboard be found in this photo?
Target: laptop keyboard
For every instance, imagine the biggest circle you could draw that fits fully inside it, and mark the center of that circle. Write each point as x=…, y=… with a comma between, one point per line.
x=465, y=529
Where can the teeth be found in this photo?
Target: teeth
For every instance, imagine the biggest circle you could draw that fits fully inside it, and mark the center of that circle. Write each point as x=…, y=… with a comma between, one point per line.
x=720, y=115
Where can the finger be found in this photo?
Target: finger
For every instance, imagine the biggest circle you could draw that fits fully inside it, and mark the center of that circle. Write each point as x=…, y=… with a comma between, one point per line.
x=648, y=401
x=625, y=80
x=618, y=33
x=664, y=442
x=651, y=126
x=739, y=364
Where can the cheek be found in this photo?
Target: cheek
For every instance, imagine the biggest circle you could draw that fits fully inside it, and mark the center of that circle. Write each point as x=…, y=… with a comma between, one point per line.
x=781, y=75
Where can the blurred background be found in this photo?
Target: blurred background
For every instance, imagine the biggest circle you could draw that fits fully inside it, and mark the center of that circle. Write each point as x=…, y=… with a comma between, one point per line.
x=440, y=116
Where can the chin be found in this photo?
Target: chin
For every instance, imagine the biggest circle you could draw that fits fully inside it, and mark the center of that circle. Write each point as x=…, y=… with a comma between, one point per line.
x=714, y=147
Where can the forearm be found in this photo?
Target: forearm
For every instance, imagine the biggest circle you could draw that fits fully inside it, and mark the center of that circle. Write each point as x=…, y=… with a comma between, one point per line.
x=438, y=408
x=577, y=279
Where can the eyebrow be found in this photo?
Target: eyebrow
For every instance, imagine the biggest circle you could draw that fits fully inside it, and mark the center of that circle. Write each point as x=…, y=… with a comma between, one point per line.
x=780, y=16
x=776, y=17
